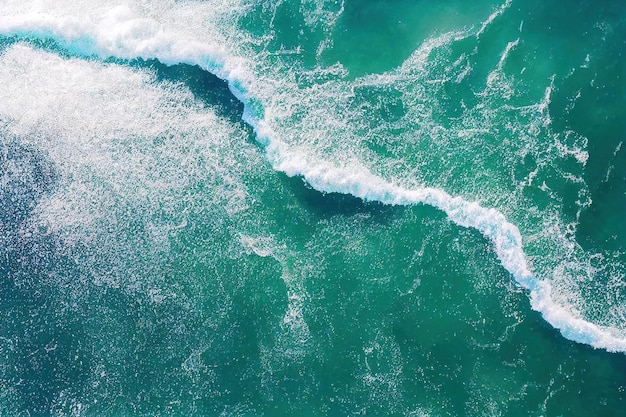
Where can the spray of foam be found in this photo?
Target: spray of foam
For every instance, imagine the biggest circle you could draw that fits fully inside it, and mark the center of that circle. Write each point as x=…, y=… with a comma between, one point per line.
x=498, y=12
x=121, y=34
x=143, y=152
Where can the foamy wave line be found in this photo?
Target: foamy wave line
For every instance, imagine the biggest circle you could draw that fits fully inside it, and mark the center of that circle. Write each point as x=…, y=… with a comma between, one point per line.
x=497, y=13
x=123, y=36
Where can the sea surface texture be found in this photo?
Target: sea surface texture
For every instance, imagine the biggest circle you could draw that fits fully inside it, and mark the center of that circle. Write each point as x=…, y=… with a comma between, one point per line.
x=312, y=208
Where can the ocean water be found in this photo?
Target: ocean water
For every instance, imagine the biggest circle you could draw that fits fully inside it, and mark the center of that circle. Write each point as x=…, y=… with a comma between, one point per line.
x=312, y=208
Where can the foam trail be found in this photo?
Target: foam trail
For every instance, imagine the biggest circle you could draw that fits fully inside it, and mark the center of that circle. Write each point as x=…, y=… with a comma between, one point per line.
x=121, y=35
x=492, y=17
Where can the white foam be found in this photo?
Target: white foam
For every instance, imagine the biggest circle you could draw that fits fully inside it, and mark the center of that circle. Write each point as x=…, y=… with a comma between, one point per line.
x=127, y=149
x=498, y=12
x=123, y=34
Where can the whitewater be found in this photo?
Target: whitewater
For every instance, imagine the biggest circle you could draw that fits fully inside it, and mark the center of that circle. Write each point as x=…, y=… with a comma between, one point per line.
x=123, y=34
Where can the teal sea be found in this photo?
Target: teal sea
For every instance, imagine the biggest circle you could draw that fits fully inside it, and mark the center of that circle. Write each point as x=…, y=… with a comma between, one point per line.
x=312, y=208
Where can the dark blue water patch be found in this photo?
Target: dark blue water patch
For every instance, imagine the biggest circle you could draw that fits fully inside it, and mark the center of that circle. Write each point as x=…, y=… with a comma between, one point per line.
x=42, y=350
x=580, y=380
x=4, y=43
x=26, y=175
x=45, y=44
x=206, y=87
x=323, y=205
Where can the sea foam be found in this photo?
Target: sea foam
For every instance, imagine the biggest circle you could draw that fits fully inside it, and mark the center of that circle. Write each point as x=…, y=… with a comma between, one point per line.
x=123, y=34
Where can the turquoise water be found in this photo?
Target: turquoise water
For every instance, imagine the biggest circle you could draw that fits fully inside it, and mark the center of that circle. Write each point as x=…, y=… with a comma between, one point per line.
x=322, y=208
